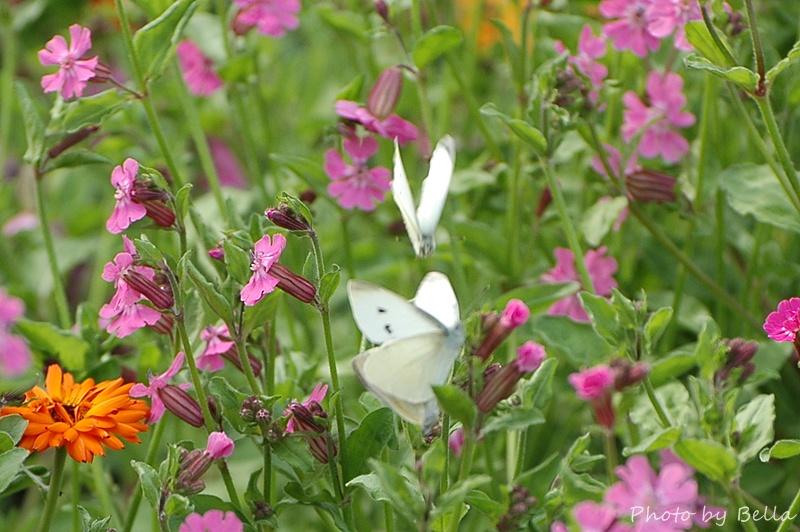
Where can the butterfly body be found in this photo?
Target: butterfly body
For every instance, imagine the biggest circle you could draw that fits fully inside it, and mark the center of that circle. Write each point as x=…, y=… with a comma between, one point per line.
x=418, y=343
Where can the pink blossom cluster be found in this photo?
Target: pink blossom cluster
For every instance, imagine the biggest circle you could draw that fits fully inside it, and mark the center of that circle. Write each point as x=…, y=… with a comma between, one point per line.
x=640, y=25
x=270, y=17
x=15, y=356
x=590, y=49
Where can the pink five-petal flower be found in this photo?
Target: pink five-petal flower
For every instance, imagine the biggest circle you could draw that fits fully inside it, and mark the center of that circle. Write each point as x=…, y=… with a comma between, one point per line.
x=270, y=17
x=390, y=127
x=629, y=30
x=592, y=383
x=596, y=517
x=212, y=521
x=219, y=342
x=590, y=49
x=666, y=16
x=641, y=492
x=357, y=185
x=198, y=69
x=73, y=72
x=665, y=93
x=264, y=255
x=782, y=325
x=219, y=445
x=601, y=271
x=317, y=395
x=127, y=315
x=126, y=210
x=157, y=382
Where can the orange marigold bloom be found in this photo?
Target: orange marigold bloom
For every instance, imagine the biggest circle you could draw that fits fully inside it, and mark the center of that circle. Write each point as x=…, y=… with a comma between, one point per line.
x=83, y=416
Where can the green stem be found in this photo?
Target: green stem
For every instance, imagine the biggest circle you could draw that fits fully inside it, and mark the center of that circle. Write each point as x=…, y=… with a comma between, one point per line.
x=736, y=496
x=660, y=412
x=9, y=54
x=150, y=459
x=512, y=214
x=198, y=385
x=569, y=228
x=349, y=264
x=610, y=445
x=758, y=49
x=103, y=490
x=244, y=360
x=53, y=490
x=62, y=307
x=783, y=153
x=794, y=509
x=467, y=453
x=701, y=276
x=76, y=495
x=201, y=144
x=712, y=30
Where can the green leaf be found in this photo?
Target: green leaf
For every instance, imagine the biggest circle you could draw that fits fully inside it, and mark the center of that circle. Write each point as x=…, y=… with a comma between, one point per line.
x=323, y=500
x=149, y=482
x=781, y=65
x=711, y=458
x=68, y=348
x=149, y=254
x=484, y=504
x=14, y=426
x=87, y=111
x=345, y=20
x=10, y=464
x=457, y=493
x=457, y=403
x=259, y=314
x=182, y=200
x=328, y=285
x=34, y=126
x=603, y=316
x=655, y=442
x=515, y=419
x=238, y=262
x=367, y=441
x=781, y=449
x=697, y=34
x=73, y=158
x=155, y=41
x=577, y=343
x=213, y=298
x=656, y=324
x=754, y=426
x=6, y=443
x=403, y=494
x=294, y=451
x=538, y=298
x=600, y=218
x=351, y=91
x=754, y=189
x=745, y=78
x=522, y=129
x=434, y=43
x=91, y=524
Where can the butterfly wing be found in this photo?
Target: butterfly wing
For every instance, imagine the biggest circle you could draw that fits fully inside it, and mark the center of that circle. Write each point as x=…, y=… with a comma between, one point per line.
x=434, y=193
x=401, y=192
x=435, y=296
x=383, y=315
x=402, y=372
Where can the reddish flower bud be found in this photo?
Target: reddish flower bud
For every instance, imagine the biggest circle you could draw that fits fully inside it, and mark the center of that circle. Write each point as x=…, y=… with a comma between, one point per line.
x=627, y=374
x=182, y=405
x=515, y=314
x=163, y=325
x=102, y=73
x=307, y=421
x=159, y=295
x=71, y=140
x=544, y=201
x=217, y=253
x=293, y=284
x=284, y=217
x=385, y=92
x=649, y=186
x=383, y=10
x=308, y=196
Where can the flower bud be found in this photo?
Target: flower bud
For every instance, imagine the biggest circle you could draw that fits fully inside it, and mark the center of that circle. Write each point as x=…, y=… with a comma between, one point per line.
x=182, y=405
x=456, y=441
x=160, y=296
x=308, y=196
x=219, y=445
x=515, y=314
x=102, y=73
x=217, y=253
x=71, y=140
x=383, y=10
x=284, y=217
x=262, y=510
x=544, y=201
x=649, y=186
x=627, y=374
x=293, y=284
x=163, y=325
x=384, y=94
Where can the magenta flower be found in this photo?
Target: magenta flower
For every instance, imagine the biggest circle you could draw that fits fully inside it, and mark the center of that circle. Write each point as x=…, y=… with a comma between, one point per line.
x=197, y=69
x=529, y=357
x=15, y=355
x=128, y=315
x=657, y=121
x=126, y=210
x=666, y=16
x=270, y=17
x=593, y=383
x=219, y=445
x=357, y=185
x=515, y=314
x=11, y=309
x=219, y=342
x=228, y=168
x=264, y=255
x=212, y=521
x=157, y=383
x=601, y=271
x=629, y=29
x=590, y=49
x=73, y=72
x=317, y=395
x=783, y=324
x=641, y=492
x=596, y=517
x=390, y=127
x=457, y=441
x=500, y=384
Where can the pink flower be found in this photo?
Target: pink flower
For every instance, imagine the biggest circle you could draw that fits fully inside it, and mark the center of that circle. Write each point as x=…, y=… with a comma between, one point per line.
x=270, y=17
x=596, y=517
x=390, y=127
x=590, y=48
x=641, y=492
x=11, y=309
x=356, y=185
x=128, y=315
x=158, y=382
x=317, y=395
x=629, y=30
x=515, y=314
x=456, y=441
x=219, y=342
x=264, y=255
x=24, y=221
x=219, y=445
x=228, y=167
x=15, y=355
x=614, y=161
x=783, y=324
x=73, y=72
x=529, y=357
x=212, y=521
x=656, y=121
x=197, y=69
x=126, y=210
x=593, y=383
x=601, y=270
x=666, y=16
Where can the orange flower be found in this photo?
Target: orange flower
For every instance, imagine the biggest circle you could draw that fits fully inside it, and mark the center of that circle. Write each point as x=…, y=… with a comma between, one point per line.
x=83, y=416
x=505, y=10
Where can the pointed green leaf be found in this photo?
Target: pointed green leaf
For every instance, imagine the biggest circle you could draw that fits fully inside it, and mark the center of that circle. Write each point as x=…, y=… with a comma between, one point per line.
x=457, y=403
x=600, y=218
x=515, y=419
x=745, y=78
x=329, y=283
x=88, y=111
x=11, y=463
x=655, y=442
x=781, y=449
x=656, y=324
x=754, y=189
x=522, y=129
x=213, y=298
x=457, y=493
x=434, y=43
x=367, y=441
x=754, y=426
x=154, y=42
x=73, y=158
x=698, y=36
x=711, y=458
x=781, y=65
x=238, y=262
x=14, y=426
x=603, y=316
x=34, y=125
x=149, y=482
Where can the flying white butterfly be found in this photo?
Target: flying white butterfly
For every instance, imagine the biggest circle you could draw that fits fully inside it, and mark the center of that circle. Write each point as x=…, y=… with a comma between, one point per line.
x=421, y=224
x=419, y=341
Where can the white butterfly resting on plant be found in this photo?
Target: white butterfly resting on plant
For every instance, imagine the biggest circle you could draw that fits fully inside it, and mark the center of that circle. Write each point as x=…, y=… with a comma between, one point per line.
x=418, y=342
x=421, y=224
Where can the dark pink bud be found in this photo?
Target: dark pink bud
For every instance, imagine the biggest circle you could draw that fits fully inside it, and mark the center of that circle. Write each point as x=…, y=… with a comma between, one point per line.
x=293, y=284
x=160, y=213
x=71, y=140
x=163, y=325
x=308, y=196
x=102, y=73
x=544, y=201
x=284, y=217
x=649, y=186
x=159, y=295
x=183, y=405
x=217, y=253
x=385, y=92
x=627, y=374
x=515, y=314
x=383, y=10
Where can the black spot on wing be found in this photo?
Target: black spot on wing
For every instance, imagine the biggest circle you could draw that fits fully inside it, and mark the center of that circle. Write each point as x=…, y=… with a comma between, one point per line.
x=388, y=328
x=382, y=310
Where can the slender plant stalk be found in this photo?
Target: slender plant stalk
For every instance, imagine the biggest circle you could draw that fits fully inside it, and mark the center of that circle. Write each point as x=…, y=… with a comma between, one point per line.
x=467, y=453
x=777, y=140
x=758, y=48
x=62, y=307
x=76, y=495
x=610, y=446
x=736, y=496
x=9, y=54
x=794, y=509
x=103, y=490
x=657, y=406
x=53, y=490
x=150, y=459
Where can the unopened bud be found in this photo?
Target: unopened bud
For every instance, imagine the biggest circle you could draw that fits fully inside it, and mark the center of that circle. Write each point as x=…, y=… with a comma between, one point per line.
x=308, y=196
x=160, y=296
x=183, y=405
x=627, y=374
x=385, y=92
x=102, y=73
x=649, y=186
x=217, y=253
x=163, y=325
x=293, y=284
x=383, y=10
x=284, y=217
x=71, y=140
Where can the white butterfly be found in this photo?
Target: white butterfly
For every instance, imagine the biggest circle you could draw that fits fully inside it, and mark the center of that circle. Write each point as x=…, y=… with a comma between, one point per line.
x=418, y=341
x=421, y=224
